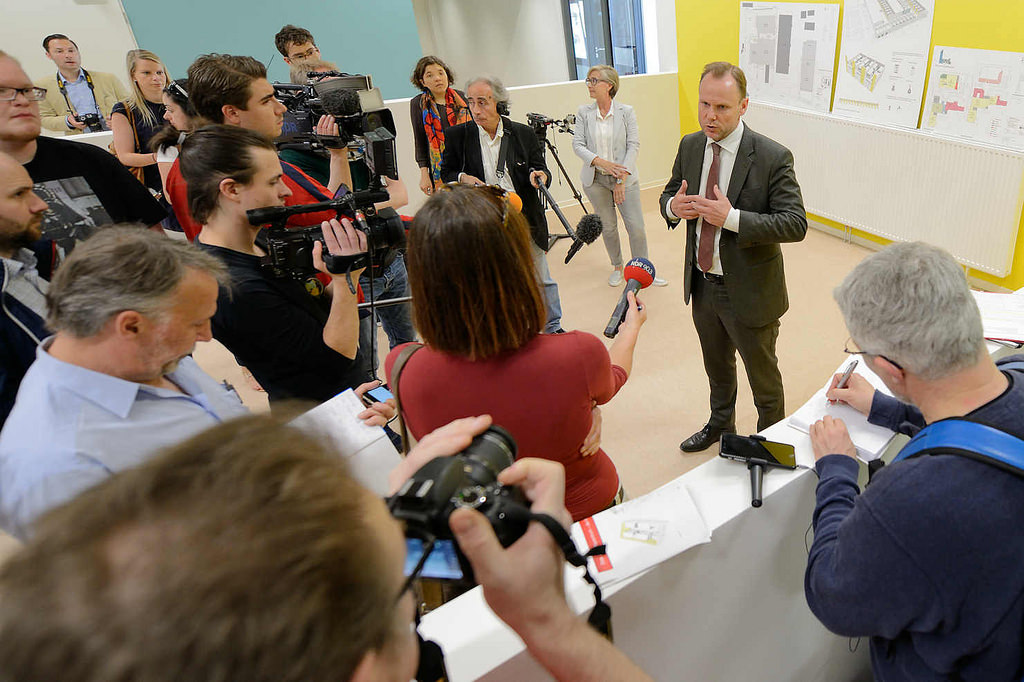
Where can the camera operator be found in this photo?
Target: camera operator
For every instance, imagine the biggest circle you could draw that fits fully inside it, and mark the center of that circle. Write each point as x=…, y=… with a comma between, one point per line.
x=234, y=90
x=77, y=100
x=491, y=149
x=298, y=341
x=316, y=163
x=267, y=561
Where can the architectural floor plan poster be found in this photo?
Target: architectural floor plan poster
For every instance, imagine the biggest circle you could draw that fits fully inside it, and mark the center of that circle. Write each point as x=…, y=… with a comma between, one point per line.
x=976, y=95
x=788, y=51
x=883, y=58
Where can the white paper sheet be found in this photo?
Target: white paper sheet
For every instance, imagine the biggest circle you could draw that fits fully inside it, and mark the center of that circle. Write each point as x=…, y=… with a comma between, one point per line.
x=871, y=440
x=642, y=533
x=1002, y=315
x=366, y=449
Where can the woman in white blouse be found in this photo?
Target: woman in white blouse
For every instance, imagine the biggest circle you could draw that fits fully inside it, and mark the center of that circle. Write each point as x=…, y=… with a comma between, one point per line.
x=607, y=139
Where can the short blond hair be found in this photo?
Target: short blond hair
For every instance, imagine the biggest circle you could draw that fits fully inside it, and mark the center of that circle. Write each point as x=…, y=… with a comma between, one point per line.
x=608, y=74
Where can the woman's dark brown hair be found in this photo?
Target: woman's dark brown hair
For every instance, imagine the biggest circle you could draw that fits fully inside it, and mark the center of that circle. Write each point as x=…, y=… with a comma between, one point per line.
x=474, y=287
x=421, y=67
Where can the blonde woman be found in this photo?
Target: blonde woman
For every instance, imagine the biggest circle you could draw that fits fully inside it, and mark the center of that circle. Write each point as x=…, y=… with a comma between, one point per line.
x=607, y=139
x=137, y=119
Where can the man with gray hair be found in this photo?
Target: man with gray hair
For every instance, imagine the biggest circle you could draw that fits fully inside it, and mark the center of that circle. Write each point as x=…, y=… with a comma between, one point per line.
x=115, y=383
x=927, y=561
x=494, y=150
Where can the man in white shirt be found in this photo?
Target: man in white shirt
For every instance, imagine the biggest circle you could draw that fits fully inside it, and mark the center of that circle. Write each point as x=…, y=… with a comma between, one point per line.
x=739, y=196
x=494, y=150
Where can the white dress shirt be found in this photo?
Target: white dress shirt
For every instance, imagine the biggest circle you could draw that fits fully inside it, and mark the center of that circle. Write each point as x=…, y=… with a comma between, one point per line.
x=489, y=151
x=730, y=145
x=603, y=134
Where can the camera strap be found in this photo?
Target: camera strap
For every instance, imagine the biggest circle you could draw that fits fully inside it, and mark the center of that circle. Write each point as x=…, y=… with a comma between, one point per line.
x=601, y=614
x=499, y=167
x=64, y=90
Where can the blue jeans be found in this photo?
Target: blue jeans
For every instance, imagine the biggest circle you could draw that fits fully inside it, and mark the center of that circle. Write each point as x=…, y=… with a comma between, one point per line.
x=396, y=319
x=551, y=302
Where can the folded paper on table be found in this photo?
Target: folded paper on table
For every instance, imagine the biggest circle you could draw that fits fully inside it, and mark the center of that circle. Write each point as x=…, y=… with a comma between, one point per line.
x=1002, y=315
x=641, y=533
x=367, y=450
x=870, y=439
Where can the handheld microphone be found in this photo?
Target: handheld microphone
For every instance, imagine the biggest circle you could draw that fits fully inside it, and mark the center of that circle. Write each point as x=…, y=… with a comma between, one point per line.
x=588, y=229
x=639, y=274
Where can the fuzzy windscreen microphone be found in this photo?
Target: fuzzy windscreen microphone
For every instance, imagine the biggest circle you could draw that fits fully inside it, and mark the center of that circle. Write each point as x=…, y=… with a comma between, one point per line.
x=588, y=229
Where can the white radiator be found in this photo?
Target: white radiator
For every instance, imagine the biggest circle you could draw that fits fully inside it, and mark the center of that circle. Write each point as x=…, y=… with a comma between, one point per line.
x=904, y=185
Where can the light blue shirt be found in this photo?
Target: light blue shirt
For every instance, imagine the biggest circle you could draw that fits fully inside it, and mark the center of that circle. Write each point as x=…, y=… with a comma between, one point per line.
x=80, y=94
x=72, y=428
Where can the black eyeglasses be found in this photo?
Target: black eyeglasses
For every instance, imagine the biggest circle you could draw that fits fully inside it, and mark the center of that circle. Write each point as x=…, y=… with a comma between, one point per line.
x=593, y=81
x=846, y=349
x=32, y=94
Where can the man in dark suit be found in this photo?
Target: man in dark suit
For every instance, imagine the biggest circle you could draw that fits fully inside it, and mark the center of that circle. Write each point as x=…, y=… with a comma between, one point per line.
x=739, y=196
x=493, y=150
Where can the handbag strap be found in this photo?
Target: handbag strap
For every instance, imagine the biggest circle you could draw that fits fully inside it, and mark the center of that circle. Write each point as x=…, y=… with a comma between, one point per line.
x=396, y=373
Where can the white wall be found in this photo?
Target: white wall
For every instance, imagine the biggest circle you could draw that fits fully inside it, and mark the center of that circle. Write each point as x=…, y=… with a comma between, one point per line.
x=655, y=99
x=100, y=30
x=659, y=18
x=522, y=42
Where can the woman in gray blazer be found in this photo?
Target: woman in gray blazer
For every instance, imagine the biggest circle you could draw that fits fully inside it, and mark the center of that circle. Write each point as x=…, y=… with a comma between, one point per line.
x=607, y=139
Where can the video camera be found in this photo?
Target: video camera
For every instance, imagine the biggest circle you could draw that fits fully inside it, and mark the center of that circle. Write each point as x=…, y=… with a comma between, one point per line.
x=358, y=109
x=290, y=251
x=540, y=124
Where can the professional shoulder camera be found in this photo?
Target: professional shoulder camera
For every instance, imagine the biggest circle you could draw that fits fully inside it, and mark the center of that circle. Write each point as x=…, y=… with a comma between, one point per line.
x=358, y=109
x=290, y=251
x=467, y=479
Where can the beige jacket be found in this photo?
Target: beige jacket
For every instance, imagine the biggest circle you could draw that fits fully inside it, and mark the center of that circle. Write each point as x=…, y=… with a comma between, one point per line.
x=108, y=91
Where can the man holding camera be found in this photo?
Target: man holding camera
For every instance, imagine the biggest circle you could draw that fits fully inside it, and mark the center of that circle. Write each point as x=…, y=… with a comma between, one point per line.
x=85, y=187
x=234, y=90
x=493, y=150
x=927, y=560
x=306, y=584
x=77, y=100
x=299, y=341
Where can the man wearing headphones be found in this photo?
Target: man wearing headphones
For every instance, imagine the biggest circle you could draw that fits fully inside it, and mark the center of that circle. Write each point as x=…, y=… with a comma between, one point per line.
x=493, y=150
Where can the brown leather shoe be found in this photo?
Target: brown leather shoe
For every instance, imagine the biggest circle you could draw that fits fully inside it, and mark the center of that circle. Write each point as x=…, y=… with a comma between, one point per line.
x=705, y=438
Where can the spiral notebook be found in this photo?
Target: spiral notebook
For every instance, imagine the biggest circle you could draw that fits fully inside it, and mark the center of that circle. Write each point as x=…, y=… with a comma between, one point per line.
x=870, y=439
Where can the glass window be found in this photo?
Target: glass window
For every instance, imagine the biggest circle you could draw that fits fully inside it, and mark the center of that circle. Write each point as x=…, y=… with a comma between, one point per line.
x=606, y=32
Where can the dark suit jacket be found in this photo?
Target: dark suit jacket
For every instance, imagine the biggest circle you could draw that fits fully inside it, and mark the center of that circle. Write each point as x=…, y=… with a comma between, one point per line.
x=462, y=155
x=763, y=187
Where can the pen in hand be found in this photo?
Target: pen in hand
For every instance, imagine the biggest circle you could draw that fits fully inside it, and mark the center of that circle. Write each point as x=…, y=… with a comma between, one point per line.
x=845, y=378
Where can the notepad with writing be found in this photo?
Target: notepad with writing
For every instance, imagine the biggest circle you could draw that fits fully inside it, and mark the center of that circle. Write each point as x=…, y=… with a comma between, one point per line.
x=870, y=439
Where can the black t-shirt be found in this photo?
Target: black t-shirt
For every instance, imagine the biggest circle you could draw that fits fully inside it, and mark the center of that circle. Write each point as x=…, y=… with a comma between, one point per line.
x=86, y=188
x=275, y=328
x=145, y=131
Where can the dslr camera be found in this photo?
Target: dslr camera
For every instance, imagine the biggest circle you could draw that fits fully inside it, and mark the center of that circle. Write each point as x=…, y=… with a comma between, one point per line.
x=468, y=479
x=290, y=251
x=91, y=121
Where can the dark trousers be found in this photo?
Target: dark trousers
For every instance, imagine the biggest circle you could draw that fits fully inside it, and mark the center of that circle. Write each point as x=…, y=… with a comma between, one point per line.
x=721, y=335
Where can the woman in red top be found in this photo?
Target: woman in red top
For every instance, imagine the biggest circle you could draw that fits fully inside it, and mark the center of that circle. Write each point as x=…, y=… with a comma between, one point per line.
x=478, y=306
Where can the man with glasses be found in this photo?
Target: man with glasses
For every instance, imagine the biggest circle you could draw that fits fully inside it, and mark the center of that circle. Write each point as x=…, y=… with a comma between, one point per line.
x=927, y=560
x=249, y=552
x=85, y=186
x=494, y=150
x=72, y=92
x=296, y=45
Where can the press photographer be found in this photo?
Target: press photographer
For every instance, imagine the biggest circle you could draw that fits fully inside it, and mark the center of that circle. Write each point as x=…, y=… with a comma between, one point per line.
x=297, y=338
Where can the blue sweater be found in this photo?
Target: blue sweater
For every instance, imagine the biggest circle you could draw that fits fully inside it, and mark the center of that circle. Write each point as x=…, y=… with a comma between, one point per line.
x=929, y=560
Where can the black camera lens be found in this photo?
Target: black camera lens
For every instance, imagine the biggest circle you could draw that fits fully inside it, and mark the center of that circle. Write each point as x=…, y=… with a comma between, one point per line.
x=490, y=452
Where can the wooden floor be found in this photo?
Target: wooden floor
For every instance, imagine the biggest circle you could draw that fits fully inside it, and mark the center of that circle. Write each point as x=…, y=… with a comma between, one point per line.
x=666, y=397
